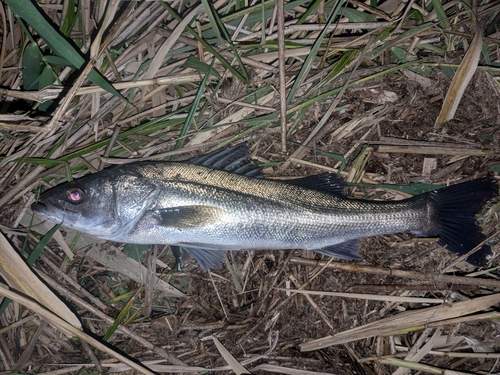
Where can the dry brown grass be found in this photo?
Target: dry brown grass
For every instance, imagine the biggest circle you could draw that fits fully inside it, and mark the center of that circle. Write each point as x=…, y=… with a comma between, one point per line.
x=363, y=89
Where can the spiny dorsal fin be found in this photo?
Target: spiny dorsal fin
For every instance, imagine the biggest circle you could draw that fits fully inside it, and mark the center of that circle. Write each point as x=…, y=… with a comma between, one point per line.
x=233, y=159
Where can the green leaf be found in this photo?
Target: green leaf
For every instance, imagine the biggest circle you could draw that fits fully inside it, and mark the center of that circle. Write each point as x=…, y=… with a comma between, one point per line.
x=192, y=111
x=307, y=102
x=416, y=15
x=41, y=245
x=254, y=12
x=46, y=78
x=212, y=17
x=70, y=18
x=57, y=60
x=404, y=56
x=194, y=63
x=356, y=16
x=30, y=13
x=32, y=60
x=384, y=34
x=485, y=53
x=441, y=14
x=136, y=252
x=448, y=71
x=209, y=48
x=414, y=31
x=494, y=168
x=227, y=37
x=337, y=157
x=432, y=47
x=240, y=4
x=344, y=60
x=308, y=63
x=119, y=319
x=312, y=8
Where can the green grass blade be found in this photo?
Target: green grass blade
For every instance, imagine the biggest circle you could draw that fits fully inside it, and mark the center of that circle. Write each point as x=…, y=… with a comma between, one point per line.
x=494, y=168
x=354, y=15
x=70, y=18
x=46, y=78
x=416, y=15
x=441, y=14
x=337, y=157
x=119, y=319
x=263, y=22
x=212, y=17
x=413, y=32
x=404, y=56
x=312, y=8
x=27, y=10
x=41, y=245
x=205, y=44
x=193, y=63
x=308, y=63
x=336, y=90
x=57, y=60
x=255, y=12
x=32, y=59
x=346, y=58
x=192, y=111
x=228, y=40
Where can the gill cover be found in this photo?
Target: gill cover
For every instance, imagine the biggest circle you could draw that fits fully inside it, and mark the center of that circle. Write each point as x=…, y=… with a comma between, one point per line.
x=105, y=205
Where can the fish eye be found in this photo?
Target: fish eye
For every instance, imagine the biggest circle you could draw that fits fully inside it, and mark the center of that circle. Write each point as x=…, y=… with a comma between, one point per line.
x=75, y=195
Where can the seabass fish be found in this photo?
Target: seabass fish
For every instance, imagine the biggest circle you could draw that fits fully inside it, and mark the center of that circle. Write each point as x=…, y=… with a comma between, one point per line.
x=217, y=203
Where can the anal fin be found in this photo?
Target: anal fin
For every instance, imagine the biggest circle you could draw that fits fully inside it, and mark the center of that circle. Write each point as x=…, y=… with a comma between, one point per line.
x=348, y=250
x=207, y=259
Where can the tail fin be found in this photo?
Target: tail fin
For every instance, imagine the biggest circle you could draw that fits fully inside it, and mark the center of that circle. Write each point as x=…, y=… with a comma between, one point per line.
x=454, y=219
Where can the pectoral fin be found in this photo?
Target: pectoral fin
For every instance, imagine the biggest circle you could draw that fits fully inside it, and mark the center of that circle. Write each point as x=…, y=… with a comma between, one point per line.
x=348, y=250
x=184, y=217
x=179, y=257
x=207, y=259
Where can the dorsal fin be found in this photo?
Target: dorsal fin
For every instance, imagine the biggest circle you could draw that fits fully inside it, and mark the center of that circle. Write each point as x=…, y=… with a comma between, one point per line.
x=233, y=159
x=326, y=182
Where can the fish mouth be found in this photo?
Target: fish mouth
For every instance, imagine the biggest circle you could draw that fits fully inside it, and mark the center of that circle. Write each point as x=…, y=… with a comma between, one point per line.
x=47, y=212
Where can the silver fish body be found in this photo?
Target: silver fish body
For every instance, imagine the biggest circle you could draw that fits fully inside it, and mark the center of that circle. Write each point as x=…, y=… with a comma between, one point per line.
x=208, y=212
x=220, y=210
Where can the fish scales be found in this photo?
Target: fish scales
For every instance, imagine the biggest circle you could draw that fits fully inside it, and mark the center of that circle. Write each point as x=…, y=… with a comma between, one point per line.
x=270, y=214
x=209, y=211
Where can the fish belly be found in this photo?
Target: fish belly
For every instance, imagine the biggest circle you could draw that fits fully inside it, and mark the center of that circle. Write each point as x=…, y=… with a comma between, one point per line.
x=249, y=224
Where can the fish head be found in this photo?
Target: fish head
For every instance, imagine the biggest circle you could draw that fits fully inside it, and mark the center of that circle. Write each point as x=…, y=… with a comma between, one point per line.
x=101, y=205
